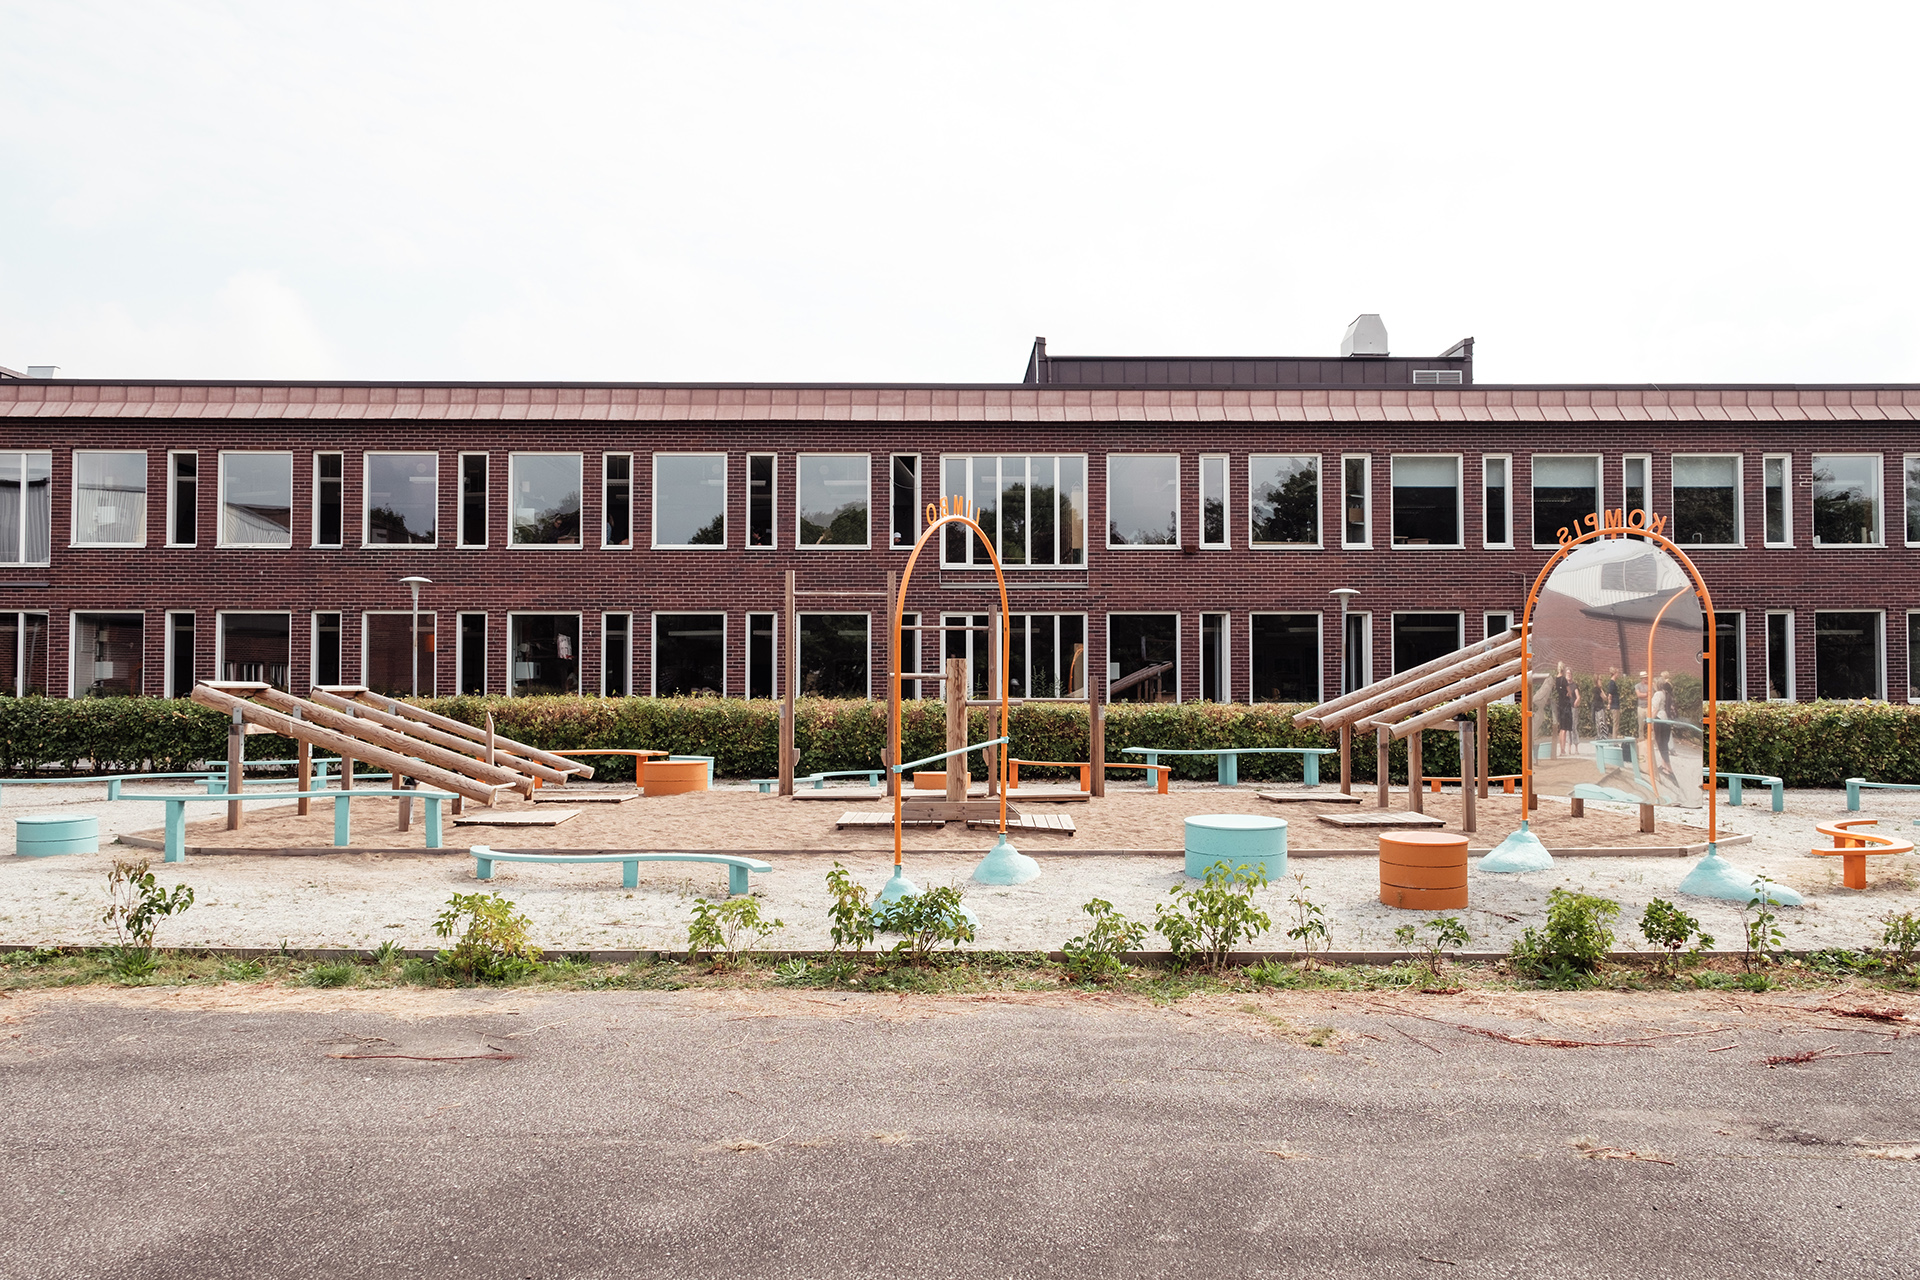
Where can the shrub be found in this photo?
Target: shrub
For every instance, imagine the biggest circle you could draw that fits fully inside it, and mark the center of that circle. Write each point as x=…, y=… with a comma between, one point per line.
x=1309, y=921
x=1433, y=937
x=732, y=928
x=851, y=919
x=135, y=908
x=1899, y=940
x=1760, y=932
x=1208, y=922
x=1575, y=943
x=493, y=943
x=1094, y=956
x=925, y=920
x=1668, y=927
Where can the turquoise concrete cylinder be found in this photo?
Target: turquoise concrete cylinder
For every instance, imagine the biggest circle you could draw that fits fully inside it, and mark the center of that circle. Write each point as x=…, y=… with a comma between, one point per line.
x=45, y=834
x=1237, y=839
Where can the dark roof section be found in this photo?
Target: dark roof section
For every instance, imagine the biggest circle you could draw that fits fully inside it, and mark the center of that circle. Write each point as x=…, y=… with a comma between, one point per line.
x=1452, y=367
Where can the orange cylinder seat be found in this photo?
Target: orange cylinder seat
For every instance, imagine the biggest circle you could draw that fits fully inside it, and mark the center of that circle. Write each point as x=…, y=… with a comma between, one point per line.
x=1423, y=870
x=674, y=777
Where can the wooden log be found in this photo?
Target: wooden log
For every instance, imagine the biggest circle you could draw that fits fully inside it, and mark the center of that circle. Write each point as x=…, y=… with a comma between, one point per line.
x=1415, y=787
x=957, y=773
x=425, y=732
x=365, y=730
x=1346, y=759
x=1469, y=817
x=1431, y=699
x=236, y=768
x=1435, y=689
x=345, y=746
x=1505, y=645
x=789, y=668
x=303, y=772
x=1447, y=711
x=1483, y=731
x=1380, y=746
x=1097, y=746
x=446, y=723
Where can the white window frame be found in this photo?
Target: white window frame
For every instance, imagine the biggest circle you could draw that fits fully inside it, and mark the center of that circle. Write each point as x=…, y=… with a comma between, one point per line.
x=220, y=636
x=1740, y=638
x=1320, y=504
x=773, y=482
x=1913, y=687
x=919, y=507
x=21, y=529
x=73, y=640
x=602, y=664
x=460, y=509
x=1881, y=615
x=1179, y=650
x=1320, y=666
x=167, y=649
x=1793, y=692
x=1459, y=503
x=1366, y=649
x=800, y=627
x=513, y=497
x=460, y=648
x=726, y=638
x=1486, y=542
x=1059, y=528
x=1366, y=500
x=1106, y=506
x=799, y=462
x=1533, y=487
x=220, y=511
x=579, y=625
x=1226, y=652
x=73, y=506
x=1739, y=504
x=173, y=498
x=1907, y=461
x=1460, y=631
x=1226, y=504
x=1646, y=461
x=430, y=683
x=313, y=646
x=1880, y=531
x=366, y=460
x=746, y=653
x=1786, y=498
x=726, y=514
x=313, y=506
x=628, y=545
x=1486, y=622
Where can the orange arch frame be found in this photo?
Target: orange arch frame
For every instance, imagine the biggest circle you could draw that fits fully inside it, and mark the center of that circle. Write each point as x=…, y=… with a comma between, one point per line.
x=939, y=516
x=1712, y=700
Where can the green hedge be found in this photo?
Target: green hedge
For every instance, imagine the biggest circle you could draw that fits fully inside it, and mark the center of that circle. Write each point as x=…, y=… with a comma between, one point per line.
x=1808, y=744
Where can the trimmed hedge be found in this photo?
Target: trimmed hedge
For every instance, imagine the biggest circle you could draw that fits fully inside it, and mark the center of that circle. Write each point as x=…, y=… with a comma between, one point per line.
x=1810, y=744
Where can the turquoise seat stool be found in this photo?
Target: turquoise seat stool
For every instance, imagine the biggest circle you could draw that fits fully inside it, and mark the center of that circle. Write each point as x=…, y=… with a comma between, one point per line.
x=43, y=835
x=1237, y=839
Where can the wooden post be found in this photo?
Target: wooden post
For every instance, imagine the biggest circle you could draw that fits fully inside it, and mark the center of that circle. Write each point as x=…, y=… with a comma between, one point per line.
x=1382, y=744
x=1097, y=745
x=994, y=676
x=1646, y=817
x=1414, y=781
x=490, y=737
x=346, y=773
x=1469, y=819
x=1346, y=759
x=303, y=770
x=405, y=804
x=1483, y=731
x=894, y=705
x=957, y=690
x=236, y=753
x=789, y=668
x=1577, y=807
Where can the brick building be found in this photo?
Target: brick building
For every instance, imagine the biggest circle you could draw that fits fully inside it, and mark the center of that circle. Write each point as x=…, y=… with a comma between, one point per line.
x=1184, y=517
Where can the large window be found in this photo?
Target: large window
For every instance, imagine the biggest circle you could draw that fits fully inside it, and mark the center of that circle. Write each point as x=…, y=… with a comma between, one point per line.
x=473, y=499
x=23, y=654
x=1565, y=492
x=1213, y=500
x=1283, y=499
x=1706, y=500
x=689, y=499
x=109, y=499
x=109, y=652
x=472, y=655
x=1426, y=501
x=1047, y=654
x=256, y=647
x=761, y=470
x=1143, y=500
x=904, y=500
x=1356, y=525
x=1729, y=668
x=761, y=634
x=180, y=655
x=833, y=655
x=1913, y=499
x=1846, y=655
x=832, y=499
x=256, y=499
x=1497, y=483
x=1286, y=657
x=1422, y=637
x=392, y=657
x=26, y=507
x=1033, y=508
x=543, y=652
x=1777, y=498
x=329, y=499
x=183, y=499
x=544, y=506
x=1846, y=500
x=1780, y=656
x=689, y=654
x=1143, y=657
x=402, y=499
x=616, y=499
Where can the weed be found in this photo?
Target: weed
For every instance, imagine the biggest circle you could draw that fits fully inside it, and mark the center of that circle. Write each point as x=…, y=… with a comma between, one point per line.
x=241, y=971
x=332, y=973
x=564, y=970
x=1760, y=931
x=1710, y=980
x=493, y=946
x=925, y=920
x=1441, y=932
x=851, y=915
x=1309, y=929
x=724, y=927
x=1094, y=956
x=1575, y=943
x=1899, y=940
x=386, y=953
x=1208, y=922
x=1668, y=927
x=1754, y=982
x=1273, y=973
x=135, y=908
x=419, y=972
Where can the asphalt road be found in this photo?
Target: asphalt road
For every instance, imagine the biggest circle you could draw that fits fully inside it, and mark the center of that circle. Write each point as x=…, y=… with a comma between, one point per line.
x=233, y=1132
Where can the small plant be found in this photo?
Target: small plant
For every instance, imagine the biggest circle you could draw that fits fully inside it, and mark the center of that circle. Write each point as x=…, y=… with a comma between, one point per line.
x=1309, y=929
x=1900, y=940
x=925, y=920
x=332, y=973
x=1576, y=940
x=1208, y=922
x=851, y=917
x=1760, y=928
x=1434, y=938
x=1669, y=928
x=386, y=953
x=1094, y=956
x=1273, y=973
x=135, y=908
x=242, y=971
x=732, y=929
x=493, y=943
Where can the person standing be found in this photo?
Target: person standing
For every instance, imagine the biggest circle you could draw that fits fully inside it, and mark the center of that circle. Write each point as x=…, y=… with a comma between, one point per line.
x=1610, y=702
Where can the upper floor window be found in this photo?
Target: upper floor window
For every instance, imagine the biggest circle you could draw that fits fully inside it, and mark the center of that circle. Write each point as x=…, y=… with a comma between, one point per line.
x=904, y=504
x=616, y=500
x=762, y=471
x=1426, y=501
x=1213, y=500
x=544, y=499
x=1846, y=500
x=26, y=507
x=256, y=499
x=109, y=499
x=833, y=499
x=183, y=499
x=1566, y=490
x=1776, y=499
x=473, y=499
x=1283, y=499
x=1032, y=508
x=1143, y=499
x=689, y=499
x=1706, y=500
x=1913, y=499
x=402, y=499
x=329, y=499
x=1497, y=518
x=1356, y=525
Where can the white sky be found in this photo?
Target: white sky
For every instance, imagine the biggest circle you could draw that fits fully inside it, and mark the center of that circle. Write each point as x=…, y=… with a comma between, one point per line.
x=909, y=192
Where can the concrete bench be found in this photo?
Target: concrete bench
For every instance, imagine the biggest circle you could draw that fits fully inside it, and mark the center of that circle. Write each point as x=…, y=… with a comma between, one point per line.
x=737, y=867
x=113, y=781
x=1227, y=759
x=1854, y=785
x=176, y=830
x=1736, y=781
x=819, y=780
x=1159, y=772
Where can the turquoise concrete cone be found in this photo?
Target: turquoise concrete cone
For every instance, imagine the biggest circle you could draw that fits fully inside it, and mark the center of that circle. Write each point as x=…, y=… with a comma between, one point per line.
x=1005, y=864
x=1714, y=877
x=897, y=888
x=1521, y=851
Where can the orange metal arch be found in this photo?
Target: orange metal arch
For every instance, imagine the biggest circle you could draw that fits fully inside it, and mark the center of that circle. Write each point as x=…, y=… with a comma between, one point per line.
x=894, y=676
x=1713, y=662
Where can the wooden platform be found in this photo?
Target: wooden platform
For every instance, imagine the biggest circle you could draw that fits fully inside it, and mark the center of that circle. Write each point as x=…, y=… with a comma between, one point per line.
x=839, y=795
x=1381, y=819
x=855, y=818
x=566, y=795
x=1308, y=797
x=516, y=818
x=1058, y=823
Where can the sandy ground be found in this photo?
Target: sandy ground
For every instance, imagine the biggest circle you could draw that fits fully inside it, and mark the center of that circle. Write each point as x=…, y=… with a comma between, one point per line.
x=1123, y=854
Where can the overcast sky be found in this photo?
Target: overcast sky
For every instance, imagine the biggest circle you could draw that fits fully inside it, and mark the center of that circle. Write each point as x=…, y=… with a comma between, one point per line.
x=908, y=192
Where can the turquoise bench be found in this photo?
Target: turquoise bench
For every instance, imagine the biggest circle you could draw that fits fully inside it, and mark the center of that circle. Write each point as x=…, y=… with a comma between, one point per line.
x=1854, y=785
x=113, y=781
x=737, y=867
x=819, y=780
x=176, y=845
x=1227, y=759
x=1735, y=781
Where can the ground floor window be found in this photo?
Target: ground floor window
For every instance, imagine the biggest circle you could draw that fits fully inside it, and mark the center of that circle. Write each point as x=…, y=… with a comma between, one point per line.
x=472, y=655
x=1213, y=658
x=1913, y=658
x=256, y=647
x=689, y=655
x=761, y=634
x=544, y=653
x=1497, y=623
x=1046, y=653
x=1729, y=649
x=1285, y=653
x=1846, y=655
x=179, y=655
x=910, y=654
x=326, y=649
x=616, y=654
x=398, y=659
x=833, y=655
x=109, y=651
x=1356, y=653
x=1780, y=657
x=23, y=654
x=1143, y=657
x=1422, y=637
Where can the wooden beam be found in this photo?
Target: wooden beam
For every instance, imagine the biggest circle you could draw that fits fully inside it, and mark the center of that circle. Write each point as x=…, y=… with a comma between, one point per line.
x=393, y=706
x=420, y=729
x=1329, y=712
x=1403, y=694
x=415, y=749
x=1470, y=702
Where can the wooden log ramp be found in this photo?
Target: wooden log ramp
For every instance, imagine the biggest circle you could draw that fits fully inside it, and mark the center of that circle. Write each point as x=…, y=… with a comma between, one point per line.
x=364, y=697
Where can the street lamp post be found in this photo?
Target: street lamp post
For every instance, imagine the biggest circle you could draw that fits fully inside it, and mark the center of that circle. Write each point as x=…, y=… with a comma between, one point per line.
x=416, y=582
x=1346, y=594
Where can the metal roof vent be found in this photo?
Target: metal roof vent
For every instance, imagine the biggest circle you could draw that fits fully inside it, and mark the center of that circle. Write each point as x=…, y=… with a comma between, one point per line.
x=1366, y=336
x=43, y=370
x=1437, y=378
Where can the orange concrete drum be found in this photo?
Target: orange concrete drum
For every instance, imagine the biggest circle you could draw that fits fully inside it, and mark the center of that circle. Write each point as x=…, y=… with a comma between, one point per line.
x=674, y=777
x=1423, y=870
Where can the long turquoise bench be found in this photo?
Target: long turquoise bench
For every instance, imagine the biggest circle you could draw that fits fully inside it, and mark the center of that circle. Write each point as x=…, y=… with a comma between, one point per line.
x=485, y=856
x=1854, y=785
x=113, y=781
x=176, y=845
x=819, y=780
x=1735, y=781
x=1227, y=759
